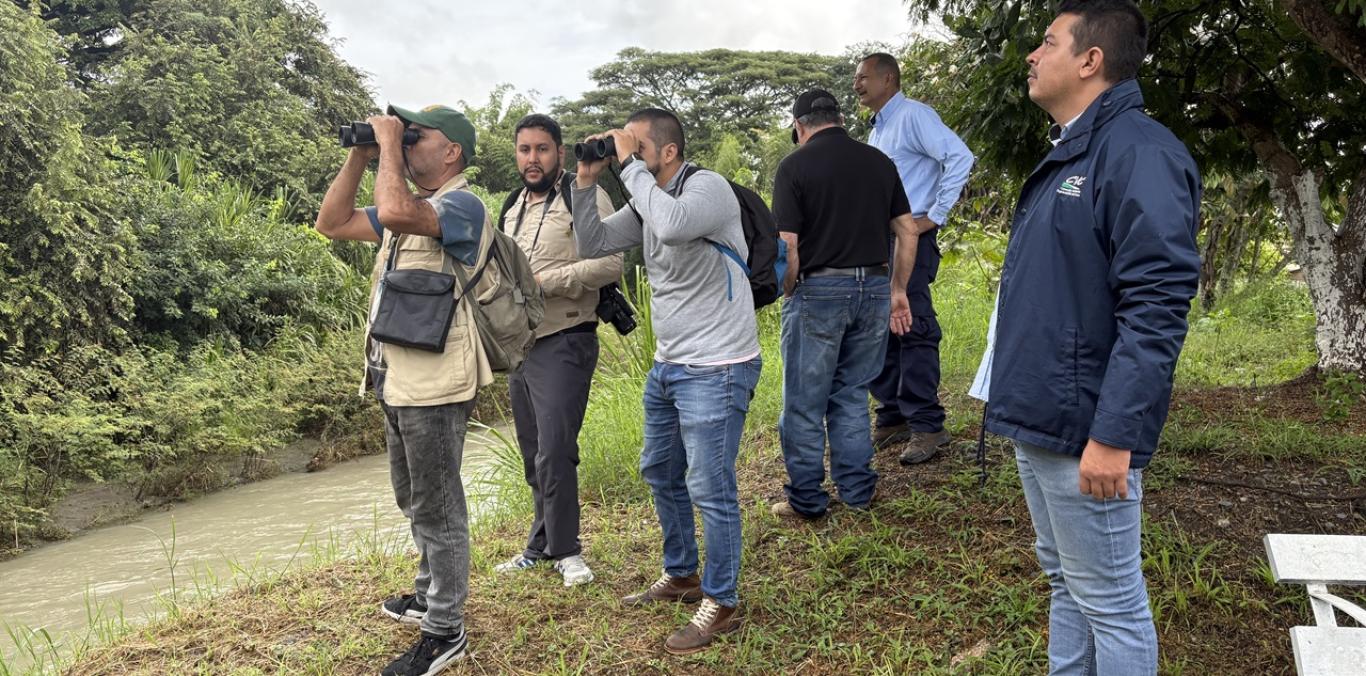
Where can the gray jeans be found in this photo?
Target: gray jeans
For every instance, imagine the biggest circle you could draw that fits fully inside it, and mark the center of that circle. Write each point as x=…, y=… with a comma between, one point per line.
x=426, y=445
x=549, y=397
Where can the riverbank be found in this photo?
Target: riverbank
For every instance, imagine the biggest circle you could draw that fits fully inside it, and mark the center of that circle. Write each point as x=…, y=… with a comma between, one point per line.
x=91, y=505
x=939, y=577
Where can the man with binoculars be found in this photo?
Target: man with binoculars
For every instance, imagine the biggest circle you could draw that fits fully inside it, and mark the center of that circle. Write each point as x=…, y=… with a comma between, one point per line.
x=426, y=395
x=706, y=354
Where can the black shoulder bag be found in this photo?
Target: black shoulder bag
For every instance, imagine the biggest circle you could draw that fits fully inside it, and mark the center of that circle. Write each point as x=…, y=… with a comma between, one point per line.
x=415, y=306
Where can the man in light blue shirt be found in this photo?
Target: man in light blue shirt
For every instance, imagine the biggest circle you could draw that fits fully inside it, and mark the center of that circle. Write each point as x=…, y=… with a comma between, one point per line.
x=934, y=164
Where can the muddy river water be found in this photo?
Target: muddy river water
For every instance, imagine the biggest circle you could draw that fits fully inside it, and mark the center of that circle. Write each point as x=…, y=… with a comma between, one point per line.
x=263, y=526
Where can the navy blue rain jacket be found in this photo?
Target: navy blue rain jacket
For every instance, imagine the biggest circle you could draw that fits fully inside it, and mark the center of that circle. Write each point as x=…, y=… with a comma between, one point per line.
x=1099, y=275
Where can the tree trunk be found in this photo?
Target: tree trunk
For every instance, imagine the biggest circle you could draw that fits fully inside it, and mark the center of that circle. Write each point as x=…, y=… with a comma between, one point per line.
x=1334, y=261
x=1334, y=258
x=1211, y=263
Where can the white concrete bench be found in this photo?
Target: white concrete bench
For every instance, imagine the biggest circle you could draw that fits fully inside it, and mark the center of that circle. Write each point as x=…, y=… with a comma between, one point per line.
x=1317, y=561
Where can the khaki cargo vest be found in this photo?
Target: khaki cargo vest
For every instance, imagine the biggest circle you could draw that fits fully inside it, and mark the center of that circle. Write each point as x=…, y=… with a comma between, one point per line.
x=417, y=377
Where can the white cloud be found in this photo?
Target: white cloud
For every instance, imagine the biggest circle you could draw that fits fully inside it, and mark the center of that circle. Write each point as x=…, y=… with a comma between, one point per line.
x=428, y=52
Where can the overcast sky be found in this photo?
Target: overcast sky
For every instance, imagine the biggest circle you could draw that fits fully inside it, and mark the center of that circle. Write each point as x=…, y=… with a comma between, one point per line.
x=420, y=51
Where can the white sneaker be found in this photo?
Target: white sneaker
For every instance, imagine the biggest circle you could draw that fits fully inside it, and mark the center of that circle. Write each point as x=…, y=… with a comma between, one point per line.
x=574, y=569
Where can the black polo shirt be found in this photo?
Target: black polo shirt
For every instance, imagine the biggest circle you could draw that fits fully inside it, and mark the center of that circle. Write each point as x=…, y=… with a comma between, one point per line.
x=839, y=196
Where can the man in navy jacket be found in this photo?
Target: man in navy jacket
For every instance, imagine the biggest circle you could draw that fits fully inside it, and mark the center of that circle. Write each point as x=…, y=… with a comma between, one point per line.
x=1099, y=274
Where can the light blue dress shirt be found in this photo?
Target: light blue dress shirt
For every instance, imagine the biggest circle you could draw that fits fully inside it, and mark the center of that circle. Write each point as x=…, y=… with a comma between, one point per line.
x=932, y=160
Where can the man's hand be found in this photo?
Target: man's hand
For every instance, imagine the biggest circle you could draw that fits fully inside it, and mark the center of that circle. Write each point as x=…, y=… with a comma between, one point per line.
x=364, y=154
x=388, y=131
x=1104, y=471
x=626, y=143
x=901, y=313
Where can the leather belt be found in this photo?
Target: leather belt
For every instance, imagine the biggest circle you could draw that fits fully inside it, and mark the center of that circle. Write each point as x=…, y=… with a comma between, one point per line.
x=859, y=272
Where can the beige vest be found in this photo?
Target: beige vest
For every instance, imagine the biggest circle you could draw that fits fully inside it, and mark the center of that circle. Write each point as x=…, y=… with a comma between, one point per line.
x=417, y=377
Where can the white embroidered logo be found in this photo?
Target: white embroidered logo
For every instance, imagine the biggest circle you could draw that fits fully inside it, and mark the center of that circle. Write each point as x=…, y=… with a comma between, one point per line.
x=1072, y=186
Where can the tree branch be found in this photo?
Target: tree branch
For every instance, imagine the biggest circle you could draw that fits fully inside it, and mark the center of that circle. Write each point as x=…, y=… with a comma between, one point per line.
x=1335, y=32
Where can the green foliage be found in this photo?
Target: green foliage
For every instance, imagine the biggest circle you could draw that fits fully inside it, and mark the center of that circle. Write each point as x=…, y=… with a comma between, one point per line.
x=64, y=249
x=216, y=264
x=495, y=163
x=253, y=87
x=1340, y=393
x=1261, y=333
x=1211, y=65
x=730, y=162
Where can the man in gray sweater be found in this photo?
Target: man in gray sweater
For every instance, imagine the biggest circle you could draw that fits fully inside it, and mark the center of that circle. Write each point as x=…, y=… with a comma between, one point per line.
x=706, y=357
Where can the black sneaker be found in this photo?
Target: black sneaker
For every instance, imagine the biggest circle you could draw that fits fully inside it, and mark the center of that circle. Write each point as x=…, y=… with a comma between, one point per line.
x=430, y=655
x=405, y=609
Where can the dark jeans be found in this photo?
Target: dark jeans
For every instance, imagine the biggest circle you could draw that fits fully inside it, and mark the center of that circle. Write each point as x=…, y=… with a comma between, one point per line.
x=832, y=341
x=426, y=445
x=549, y=397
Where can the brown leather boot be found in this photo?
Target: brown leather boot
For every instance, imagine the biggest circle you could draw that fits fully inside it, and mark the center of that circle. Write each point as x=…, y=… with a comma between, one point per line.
x=711, y=619
x=923, y=446
x=669, y=589
x=890, y=435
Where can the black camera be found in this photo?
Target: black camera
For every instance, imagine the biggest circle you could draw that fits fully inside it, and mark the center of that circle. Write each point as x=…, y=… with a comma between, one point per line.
x=613, y=309
x=597, y=149
x=362, y=134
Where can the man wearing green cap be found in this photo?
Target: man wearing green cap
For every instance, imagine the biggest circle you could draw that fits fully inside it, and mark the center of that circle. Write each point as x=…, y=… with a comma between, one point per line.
x=426, y=396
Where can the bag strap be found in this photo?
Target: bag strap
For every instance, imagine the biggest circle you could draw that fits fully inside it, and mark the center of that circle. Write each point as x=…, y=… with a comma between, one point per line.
x=393, y=250
x=478, y=274
x=567, y=184
x=507, y=206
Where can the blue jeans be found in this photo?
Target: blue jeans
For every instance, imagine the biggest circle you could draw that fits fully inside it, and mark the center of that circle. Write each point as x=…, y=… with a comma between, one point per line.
x=834, y=332
x=1099, y=621
x=694, y=416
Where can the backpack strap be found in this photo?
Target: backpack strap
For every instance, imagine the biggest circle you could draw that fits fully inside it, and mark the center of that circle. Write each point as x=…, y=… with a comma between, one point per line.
x=507, y=206
x=567, y=184
x=731, y=254
x=687, y=173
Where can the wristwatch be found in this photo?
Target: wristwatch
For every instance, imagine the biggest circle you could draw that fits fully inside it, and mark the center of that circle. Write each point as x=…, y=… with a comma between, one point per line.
x=629, y=159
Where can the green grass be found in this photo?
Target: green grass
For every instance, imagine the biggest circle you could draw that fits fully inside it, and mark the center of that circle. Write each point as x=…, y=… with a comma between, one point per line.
x=938, y=578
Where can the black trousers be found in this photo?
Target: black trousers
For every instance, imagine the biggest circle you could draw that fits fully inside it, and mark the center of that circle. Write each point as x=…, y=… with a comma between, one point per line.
x=549, y=397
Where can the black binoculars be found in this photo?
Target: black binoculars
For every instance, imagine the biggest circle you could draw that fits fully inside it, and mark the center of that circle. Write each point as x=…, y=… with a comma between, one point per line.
x=597, y=149
x=362, y=134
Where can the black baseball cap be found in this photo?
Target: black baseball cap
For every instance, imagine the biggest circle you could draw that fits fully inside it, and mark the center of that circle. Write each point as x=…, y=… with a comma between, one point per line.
x=811, y=101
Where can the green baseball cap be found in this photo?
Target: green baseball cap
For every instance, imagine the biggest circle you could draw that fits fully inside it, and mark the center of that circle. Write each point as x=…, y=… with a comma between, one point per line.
x=447, y=120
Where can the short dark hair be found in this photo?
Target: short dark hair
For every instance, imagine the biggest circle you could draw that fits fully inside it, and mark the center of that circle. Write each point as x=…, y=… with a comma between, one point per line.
x=542, y=122
x=885, y=63
x=1117, y=27
x=820, y=117
x=664, y=126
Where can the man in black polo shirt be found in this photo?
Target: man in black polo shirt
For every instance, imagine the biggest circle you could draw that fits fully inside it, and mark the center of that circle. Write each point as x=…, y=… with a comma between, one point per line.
x=835, y=199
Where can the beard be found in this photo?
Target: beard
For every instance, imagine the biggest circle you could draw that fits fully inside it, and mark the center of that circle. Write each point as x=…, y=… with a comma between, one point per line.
x=548, y=177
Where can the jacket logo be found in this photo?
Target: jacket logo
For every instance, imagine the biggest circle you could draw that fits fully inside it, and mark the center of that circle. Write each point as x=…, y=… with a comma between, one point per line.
x=1072, y=186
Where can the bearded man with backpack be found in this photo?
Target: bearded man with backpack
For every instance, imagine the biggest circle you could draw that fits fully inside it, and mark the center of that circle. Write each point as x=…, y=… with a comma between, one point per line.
x=549, y=391
x=707, y=364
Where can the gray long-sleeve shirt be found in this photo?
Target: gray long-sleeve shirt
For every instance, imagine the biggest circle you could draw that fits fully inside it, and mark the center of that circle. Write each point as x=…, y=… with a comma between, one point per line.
x=702, y=307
